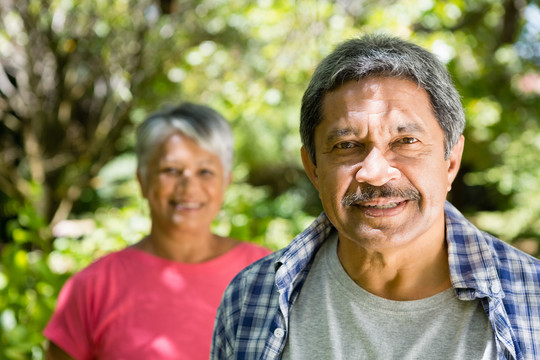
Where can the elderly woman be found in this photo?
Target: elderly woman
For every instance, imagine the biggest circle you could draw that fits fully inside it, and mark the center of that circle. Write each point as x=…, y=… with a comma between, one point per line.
x=158, y=298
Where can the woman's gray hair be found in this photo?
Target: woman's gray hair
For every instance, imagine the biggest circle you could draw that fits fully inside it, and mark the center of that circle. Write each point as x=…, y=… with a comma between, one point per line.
x=378, y=55
x=202, y=124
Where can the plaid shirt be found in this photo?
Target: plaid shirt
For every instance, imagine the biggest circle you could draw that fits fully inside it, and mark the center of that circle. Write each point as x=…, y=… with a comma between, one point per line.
x=252, y=320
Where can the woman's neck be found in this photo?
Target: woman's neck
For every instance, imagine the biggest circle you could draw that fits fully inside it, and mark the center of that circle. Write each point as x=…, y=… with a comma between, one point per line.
x=187, y=248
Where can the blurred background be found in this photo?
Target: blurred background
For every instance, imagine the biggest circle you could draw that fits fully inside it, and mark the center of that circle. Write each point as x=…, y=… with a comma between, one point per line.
x=77, y=76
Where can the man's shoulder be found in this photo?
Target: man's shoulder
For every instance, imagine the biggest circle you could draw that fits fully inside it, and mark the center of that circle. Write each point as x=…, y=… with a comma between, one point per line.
x=292, y=259
x=480, y=255
x=465, y=234
x=260, y=272
x=509, y=257
x=247, y=310
x=251, y=293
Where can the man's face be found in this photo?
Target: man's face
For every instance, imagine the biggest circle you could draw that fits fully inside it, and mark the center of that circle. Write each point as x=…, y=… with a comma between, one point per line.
x=381, y=172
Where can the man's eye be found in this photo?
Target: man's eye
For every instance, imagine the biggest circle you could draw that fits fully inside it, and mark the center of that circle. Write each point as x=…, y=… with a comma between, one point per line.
x=344, y=145
x=408, y=140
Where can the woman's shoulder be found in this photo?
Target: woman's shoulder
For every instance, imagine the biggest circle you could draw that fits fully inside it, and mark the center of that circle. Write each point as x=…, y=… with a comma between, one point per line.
x=105, y=265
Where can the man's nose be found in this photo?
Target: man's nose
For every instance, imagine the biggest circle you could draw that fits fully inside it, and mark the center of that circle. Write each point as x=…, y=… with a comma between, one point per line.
x=376, y=170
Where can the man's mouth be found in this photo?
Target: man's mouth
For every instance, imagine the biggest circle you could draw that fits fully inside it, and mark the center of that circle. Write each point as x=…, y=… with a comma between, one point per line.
x=384, y=206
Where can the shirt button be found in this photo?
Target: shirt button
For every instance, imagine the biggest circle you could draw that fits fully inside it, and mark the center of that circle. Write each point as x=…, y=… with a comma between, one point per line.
x=279, y=333
x=495, y=288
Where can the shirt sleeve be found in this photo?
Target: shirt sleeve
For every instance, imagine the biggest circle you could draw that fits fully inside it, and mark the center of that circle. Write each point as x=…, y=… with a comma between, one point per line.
x=69, y=327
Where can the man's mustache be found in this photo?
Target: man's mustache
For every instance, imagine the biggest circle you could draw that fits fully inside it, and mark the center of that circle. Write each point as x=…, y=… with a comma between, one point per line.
x=370, y=192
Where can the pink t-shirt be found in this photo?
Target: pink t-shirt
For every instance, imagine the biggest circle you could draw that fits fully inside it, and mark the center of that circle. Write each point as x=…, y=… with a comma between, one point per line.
x=133, y=305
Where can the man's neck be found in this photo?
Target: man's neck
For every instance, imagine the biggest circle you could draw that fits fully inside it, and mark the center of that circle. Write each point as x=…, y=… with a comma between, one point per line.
x=417, y=271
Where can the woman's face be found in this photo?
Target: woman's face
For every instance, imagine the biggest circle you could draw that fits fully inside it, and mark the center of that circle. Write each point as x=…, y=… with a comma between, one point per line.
x=185, y=185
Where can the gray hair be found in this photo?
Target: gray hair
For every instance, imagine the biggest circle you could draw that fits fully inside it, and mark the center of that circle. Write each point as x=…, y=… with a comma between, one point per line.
x=202, y=124
x=378, y=55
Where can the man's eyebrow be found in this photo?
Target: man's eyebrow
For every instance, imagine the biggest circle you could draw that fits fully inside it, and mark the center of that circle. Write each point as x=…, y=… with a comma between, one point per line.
x=338, y=133
x=411, y=127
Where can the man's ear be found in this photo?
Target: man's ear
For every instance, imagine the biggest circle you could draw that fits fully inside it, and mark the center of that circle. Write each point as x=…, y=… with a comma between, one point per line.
x=454, y=160
x=142, y=183
x=310, y=168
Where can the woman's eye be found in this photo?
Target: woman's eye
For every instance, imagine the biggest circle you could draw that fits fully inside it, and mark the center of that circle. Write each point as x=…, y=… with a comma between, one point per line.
x=171, y=171
x=207, y=172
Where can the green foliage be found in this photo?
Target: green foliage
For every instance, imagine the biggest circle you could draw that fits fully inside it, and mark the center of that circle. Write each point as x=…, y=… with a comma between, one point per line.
x=252, y=214
x=27, y=285
x=77, y=76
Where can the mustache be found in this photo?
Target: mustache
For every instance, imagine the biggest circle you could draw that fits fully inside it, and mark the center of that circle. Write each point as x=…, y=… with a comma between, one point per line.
x=370, y=192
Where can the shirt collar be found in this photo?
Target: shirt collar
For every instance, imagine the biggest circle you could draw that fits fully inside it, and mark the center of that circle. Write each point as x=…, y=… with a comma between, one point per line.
x=472, y=265
x=301, y=251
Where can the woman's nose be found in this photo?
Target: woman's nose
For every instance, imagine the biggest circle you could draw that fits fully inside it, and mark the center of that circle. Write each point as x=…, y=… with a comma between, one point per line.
x=185, y=181
x=376, y=170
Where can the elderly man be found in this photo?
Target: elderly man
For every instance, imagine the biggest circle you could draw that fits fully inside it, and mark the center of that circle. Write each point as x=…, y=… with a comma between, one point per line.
x=390, y=270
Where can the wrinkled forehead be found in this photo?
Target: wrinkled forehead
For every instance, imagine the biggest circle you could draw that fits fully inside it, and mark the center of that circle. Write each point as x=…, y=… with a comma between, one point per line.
x=378, y=91
x=393, y=104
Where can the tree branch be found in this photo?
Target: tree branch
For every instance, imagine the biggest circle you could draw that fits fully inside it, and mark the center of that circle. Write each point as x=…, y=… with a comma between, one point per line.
x=471, y=18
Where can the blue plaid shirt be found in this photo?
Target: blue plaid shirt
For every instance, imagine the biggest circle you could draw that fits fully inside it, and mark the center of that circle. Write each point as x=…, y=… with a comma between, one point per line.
x=252, y=320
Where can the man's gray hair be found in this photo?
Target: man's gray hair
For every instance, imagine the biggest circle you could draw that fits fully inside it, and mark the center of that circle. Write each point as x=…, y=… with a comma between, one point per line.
x=202, y=124
x=378, y=55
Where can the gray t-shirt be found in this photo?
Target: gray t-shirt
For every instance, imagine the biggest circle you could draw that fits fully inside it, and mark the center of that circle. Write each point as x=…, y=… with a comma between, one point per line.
x=334, y=318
